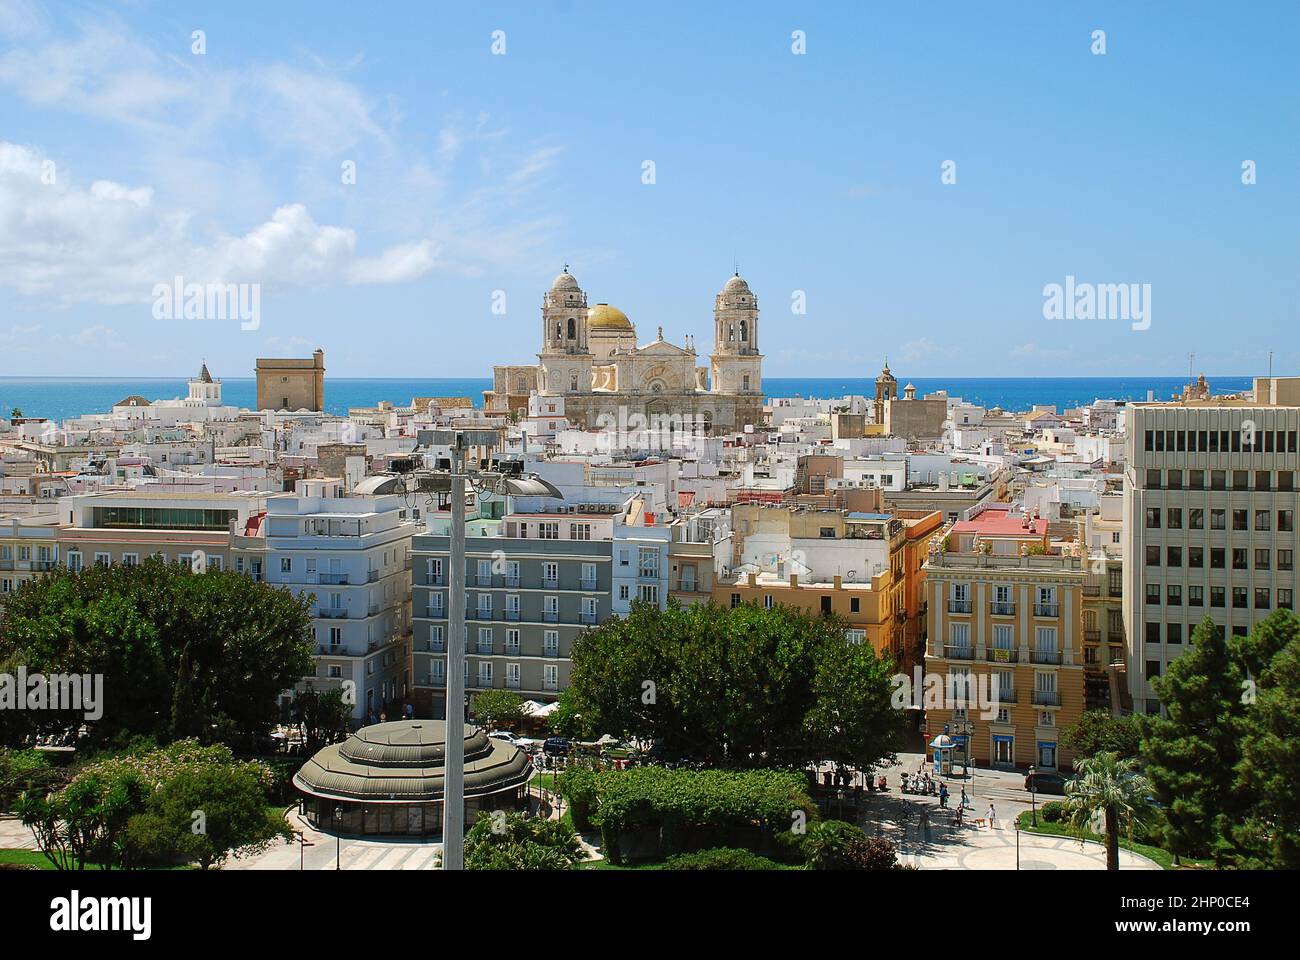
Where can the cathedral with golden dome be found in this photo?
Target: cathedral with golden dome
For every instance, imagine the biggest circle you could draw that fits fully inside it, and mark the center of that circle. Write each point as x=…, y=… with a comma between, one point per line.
x=591, y=358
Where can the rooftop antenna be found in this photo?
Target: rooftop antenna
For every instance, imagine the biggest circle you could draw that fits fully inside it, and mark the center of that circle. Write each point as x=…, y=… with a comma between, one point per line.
x=1270, y=364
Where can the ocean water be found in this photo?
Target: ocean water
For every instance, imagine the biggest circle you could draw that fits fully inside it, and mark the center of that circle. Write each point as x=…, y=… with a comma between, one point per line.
x=59, y=398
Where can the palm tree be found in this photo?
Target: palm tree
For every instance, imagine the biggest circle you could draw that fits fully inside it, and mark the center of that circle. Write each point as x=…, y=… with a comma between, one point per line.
x=1110, y=786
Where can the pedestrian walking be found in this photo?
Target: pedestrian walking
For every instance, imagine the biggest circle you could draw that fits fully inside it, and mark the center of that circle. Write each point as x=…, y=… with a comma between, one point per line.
x=993, y=816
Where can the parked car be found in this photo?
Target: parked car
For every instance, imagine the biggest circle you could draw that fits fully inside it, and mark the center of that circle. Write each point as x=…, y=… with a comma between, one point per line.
x=507, y=736
x=557, y=747
x=1046, y=782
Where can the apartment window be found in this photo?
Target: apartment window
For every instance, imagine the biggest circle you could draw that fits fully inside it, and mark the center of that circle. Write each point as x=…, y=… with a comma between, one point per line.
x=648, y=593
x=74, y=562
x=1239, y=520
x=1174, y=633
x=1239, y=598
x=1217, y=520
x=1239, y=559
x=767, y=601
x=1262, y=598
x=1286, y=481
x=579, y=531
x=1195, y=596
x=485, y=572
x=588, y=576
x=484, y=639
x=648, y=564
x=551, y=608
x=1217, y=558
x=548, y=531
x=855, y=605
x=1175, y=477
x=512, y=675
x=1216, y=596
x=550, y=574
x=1153, y=518
x=855, y=636
x=1153, y=479
x=485, y=673
x=1286, y=521
x=1153, y=593
x=1174, y=595
x=1285, y=559
x=624, y=592
x=286, y=564
x=1196, y=557
x=1174, y=518
x=1195, y=518
x=1284, y=599
x=1240, y=479
x=550, y=676
x=1173, y=556
x=1196, y=480
x=130, y=559
x=1153, y=556
x=735, y=600
x=512, y=641
x=588, y=609
x=1218, y=478
x=551, y=643
x=1153, y=668
x=1153, y=633
x=102, y=560
x=1263, y=480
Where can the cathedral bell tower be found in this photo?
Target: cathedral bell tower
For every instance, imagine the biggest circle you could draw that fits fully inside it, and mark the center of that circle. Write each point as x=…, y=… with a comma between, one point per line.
x=736, y=363
x=566, y=361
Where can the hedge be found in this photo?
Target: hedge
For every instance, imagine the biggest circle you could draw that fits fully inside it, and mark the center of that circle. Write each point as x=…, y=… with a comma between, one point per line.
x=721, y=858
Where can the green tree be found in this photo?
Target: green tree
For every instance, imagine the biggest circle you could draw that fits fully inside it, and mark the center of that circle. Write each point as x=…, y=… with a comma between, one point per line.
x=1194, y=750
x=86, y=821
x=16, y=413
x=180, y=654
x=1100, y=731
x=205, y=812
x=509, y=841
x=1109, y=786
x=735, y=687
x=1268, y=835
x=322, y=717
x=498, y=708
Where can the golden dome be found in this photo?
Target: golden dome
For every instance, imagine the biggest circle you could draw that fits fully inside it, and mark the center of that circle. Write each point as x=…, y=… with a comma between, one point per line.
x=604, y=317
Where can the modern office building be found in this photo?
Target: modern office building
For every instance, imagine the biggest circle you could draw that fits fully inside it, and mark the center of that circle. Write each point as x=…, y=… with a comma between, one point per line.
x=1210, y=503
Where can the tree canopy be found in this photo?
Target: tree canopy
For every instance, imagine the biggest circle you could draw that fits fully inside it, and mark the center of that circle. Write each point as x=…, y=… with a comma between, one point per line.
x=734, y=687
x=181, y=654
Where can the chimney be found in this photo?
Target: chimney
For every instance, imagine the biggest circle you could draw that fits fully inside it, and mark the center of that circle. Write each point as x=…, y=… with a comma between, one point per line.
x=794, y=579
x=839, y=581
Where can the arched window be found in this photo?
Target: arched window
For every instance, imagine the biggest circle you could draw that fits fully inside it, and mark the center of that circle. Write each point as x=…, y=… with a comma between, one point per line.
x=572, y=329
x=573, y=380
x=557, y=329
x=731, y=331
x=744, y=331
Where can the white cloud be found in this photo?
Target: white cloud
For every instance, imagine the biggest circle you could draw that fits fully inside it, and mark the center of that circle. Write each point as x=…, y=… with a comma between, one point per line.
x=397, y=264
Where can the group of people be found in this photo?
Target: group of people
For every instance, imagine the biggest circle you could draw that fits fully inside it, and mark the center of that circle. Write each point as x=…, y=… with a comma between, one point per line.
x=921, y=782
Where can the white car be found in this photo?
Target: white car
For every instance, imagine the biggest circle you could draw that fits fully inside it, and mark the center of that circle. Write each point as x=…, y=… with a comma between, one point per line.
x=509, y=737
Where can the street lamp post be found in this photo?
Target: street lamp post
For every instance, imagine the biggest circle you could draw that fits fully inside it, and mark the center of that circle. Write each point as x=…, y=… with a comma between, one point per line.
x=460, y=442
x=1017, y=823
x=338, y=838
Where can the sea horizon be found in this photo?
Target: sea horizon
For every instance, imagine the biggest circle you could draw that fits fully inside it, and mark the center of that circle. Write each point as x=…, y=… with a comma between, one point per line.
x=59, y=398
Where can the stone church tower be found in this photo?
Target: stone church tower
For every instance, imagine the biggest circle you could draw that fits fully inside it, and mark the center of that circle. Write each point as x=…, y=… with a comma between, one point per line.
x=736, y=363
x=566, y=359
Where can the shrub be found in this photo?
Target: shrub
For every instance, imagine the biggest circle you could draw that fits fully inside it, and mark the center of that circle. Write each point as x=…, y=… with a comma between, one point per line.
x=1053, y=811
x=720, y=858
x=836, y=845
x=679, y=810
x=578, y=784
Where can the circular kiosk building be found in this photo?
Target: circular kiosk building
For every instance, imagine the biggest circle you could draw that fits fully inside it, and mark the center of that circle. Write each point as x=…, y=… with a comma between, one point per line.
x=387, y=779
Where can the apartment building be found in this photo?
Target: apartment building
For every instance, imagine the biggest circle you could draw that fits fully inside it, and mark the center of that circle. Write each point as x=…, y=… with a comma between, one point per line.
x=1210, y=503
x=824, y=561
x=534, y=582
x=699, y=549
x=1100, y=536
x=1003, y=616
x=640, y=571
x=127, y=527
x=29, y=546
x=351, y=554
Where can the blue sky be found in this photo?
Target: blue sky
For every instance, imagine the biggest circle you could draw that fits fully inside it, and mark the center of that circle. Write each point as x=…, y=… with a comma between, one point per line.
x=818, y=172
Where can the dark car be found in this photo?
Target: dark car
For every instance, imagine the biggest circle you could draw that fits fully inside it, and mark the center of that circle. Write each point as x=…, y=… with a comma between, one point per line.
x=1046, y=783
x=557, y=747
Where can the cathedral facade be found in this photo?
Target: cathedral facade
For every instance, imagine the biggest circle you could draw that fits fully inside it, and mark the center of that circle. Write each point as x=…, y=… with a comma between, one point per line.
x=591, y=358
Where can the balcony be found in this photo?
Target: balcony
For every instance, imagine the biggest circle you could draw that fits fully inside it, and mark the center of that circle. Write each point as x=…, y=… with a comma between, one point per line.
x=959, y=606
x=1045, y=656
x=1002, y=608
x=1047, y=698
x=959, y=653
x=332, y=579
x=44, y=564
x=550, y=685
x=484, y=649
x=1008, y=696
x=483, y=581
x=1003, y=655
x=483, y=613
x=550, y=584
x=1092, y=589
x=551, y=616
x=1049, y=610
x=372, y=576
x=512, y=650
x=437, y=613
x=1092, y=636
x=437, y=646
x=512, y=683
x=512, y=614
x=512, y=581
x=373, y=610
x=331, y=613
x=437, y=681
x=437, y=580
x=550, y=651
x=587, y=585
x=589, y=618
